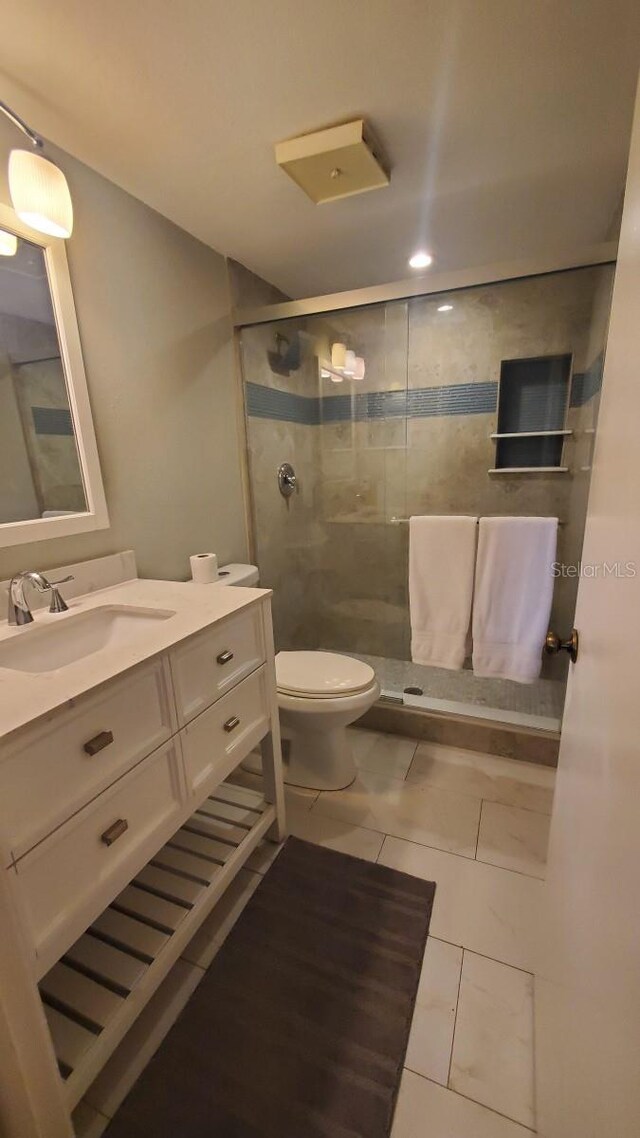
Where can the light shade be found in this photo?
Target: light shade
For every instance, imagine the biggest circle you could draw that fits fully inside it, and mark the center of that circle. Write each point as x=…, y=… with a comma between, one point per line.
x=349, y=363
x=338, y=354
x=8, y=244
x=358, y=368
x=40, y=194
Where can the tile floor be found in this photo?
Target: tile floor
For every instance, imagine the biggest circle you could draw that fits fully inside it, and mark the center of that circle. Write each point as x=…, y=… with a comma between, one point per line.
x=478, y=826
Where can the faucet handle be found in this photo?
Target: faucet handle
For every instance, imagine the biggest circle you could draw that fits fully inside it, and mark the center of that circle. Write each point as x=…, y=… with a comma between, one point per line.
x=58, y=603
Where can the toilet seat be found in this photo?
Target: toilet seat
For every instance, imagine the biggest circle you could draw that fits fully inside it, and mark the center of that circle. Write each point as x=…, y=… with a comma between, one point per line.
x=321, y=675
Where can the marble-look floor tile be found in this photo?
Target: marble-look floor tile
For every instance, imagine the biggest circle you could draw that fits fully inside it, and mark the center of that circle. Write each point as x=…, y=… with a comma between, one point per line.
x=508, y=781
x=293, y=795
x=335, y=833
x=481, y=907
x=426, y=1110
x=492, y=1060
x=384, y=754
x=422, y=814
x=431, y=1037
x=514, y=839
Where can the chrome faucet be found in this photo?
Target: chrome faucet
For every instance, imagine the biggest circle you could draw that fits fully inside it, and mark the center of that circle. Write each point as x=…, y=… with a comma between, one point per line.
x=19, y=611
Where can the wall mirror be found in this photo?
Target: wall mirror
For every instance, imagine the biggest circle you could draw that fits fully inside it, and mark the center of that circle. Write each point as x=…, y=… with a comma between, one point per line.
x=50, y=480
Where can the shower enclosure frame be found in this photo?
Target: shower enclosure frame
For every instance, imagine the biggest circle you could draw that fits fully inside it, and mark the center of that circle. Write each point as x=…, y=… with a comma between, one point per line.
x=602, y=254
x=422, y=286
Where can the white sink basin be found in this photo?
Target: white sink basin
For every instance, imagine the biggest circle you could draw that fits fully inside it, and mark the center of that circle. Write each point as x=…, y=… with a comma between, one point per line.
x=55, y=645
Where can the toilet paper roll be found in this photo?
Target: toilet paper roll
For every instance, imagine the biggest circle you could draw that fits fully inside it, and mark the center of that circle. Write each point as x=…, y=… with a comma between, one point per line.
x=204, y=568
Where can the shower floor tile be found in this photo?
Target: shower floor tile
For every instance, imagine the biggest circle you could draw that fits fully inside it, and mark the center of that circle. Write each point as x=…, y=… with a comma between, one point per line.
x=503, y=700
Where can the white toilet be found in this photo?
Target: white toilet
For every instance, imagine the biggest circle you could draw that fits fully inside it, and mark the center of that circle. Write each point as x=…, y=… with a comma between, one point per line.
x=319, y=695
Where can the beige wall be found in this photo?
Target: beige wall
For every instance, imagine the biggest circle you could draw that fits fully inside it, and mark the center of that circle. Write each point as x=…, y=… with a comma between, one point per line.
x=154, y=314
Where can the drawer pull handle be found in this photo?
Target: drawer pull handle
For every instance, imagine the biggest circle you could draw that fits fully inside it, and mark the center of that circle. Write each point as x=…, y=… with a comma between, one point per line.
x=99, y=742
x=232, y=723
x=225, y=657
x=115, y=831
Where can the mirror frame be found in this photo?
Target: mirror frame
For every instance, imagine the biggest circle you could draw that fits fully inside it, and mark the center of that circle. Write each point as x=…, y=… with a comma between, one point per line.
x=96, y=516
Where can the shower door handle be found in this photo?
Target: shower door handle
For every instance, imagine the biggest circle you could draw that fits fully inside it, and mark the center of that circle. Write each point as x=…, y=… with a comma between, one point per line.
x=553, y=644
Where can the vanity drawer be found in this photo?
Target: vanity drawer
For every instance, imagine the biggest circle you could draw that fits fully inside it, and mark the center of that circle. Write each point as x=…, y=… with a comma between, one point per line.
x=220, y=738
x=61, y=764
x=70, y=878
x=213, y=661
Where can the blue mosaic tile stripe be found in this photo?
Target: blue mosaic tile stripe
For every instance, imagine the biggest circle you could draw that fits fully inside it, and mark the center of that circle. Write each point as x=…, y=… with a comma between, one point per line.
x=458, y=399
x=284, y=406
x=52, y=420
x=419, y=402
x=587, y=383
x=416, y=403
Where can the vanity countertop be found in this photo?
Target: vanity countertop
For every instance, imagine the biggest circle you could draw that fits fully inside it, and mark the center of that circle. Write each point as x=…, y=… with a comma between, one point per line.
x=27, y=697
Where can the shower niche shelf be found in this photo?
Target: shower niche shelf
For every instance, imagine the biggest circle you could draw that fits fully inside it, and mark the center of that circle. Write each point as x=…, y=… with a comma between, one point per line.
x=528, y=434
x=96, y=991
x=533, y=401
x=528, y=470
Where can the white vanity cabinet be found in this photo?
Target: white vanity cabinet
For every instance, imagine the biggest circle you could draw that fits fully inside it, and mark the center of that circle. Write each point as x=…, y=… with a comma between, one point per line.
x=121, y=826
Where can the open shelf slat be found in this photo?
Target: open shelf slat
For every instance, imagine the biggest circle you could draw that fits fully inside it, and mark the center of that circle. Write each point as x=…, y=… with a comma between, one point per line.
x=113, y=967
x=108, y=976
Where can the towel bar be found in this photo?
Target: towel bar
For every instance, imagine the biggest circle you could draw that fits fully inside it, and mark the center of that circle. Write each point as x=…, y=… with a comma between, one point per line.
x=405, y=521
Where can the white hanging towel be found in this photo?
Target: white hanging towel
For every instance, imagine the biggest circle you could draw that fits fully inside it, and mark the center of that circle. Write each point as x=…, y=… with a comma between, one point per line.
x=441, y=560
x=513, y=595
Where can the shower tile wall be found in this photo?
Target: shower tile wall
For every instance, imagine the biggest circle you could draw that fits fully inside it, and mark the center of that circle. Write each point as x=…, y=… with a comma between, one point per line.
x=413, y=437
x=288, y=532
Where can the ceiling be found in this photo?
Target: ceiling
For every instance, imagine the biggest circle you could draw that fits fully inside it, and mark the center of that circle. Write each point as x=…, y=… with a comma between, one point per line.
x=506, y=122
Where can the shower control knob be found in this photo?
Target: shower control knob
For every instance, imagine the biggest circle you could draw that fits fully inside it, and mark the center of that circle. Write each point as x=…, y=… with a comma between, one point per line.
x=287, y=479
x=553, y=644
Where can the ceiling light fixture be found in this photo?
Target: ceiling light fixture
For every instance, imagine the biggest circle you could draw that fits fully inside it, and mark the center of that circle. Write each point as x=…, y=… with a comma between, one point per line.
x=358, y=369
x=445, y=307
x=8, y=244
x=39, y=191
x=420, y=260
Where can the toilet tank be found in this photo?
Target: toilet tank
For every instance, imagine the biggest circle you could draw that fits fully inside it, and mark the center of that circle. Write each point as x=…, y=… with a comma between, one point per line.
x=246, y=575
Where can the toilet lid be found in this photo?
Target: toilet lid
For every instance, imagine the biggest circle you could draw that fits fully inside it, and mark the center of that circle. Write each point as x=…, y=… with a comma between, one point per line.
x=321, y=674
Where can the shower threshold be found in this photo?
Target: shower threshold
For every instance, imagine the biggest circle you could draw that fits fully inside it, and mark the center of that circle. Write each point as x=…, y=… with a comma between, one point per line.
x=538, y=705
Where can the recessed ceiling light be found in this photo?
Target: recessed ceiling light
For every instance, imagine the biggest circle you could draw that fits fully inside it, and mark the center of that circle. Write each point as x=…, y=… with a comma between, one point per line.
x=445, y=307
x=420, y=260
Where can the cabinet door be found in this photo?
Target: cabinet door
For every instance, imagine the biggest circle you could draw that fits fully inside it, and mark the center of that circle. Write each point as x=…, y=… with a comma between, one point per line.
x=220, y=738
x=212, y=662
x=67, y=880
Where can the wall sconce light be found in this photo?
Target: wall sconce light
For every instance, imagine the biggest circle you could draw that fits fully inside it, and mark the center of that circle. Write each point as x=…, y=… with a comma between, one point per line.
x=39, y=190
x=8, y=244
x=345, y=364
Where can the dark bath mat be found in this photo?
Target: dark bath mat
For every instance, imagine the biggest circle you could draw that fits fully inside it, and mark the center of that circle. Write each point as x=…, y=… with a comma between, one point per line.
x=300, y=1027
